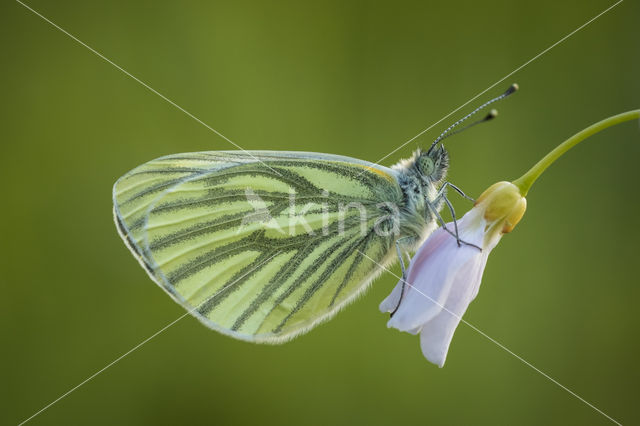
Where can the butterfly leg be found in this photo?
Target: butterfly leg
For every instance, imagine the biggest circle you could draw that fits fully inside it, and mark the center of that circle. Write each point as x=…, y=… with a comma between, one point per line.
x=455, y=233
x=442, y=222
x=404, y=273
x=455, y=188
x=442, y=195
x=455, y=224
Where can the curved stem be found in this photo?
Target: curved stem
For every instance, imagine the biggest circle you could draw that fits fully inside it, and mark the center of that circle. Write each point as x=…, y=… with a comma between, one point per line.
x=526, y=180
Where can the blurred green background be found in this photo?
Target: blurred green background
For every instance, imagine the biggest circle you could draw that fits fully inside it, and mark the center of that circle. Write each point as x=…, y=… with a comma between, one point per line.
x=346, y=77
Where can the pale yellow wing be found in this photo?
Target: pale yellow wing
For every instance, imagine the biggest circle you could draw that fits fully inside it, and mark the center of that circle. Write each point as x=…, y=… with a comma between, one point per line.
x=260, y=245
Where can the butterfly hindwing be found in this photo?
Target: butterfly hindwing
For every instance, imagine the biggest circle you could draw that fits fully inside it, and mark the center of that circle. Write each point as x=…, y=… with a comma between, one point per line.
x=258, y=245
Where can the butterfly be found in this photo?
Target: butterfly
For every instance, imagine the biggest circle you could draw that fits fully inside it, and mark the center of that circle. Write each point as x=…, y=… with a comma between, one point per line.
x=264, y=245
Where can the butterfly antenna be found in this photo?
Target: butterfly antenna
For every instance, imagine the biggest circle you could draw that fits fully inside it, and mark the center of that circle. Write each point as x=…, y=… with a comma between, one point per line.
x=489, y=116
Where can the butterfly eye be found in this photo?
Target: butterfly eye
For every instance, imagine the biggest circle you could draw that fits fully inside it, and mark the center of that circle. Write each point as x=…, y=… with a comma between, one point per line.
x=426, y=166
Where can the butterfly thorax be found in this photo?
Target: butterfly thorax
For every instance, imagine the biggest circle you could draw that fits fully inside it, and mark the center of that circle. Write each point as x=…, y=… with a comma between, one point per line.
x=420, y=177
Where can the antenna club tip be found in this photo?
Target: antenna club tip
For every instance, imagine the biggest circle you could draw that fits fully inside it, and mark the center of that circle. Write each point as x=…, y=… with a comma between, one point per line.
x=491, y=115
x=512, y=89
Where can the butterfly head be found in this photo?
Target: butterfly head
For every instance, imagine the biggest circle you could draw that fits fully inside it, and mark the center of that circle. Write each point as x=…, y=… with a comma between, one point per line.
x=433, y=165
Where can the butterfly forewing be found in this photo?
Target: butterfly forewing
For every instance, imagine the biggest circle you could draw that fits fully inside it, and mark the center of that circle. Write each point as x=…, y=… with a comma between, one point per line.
x=258, y=245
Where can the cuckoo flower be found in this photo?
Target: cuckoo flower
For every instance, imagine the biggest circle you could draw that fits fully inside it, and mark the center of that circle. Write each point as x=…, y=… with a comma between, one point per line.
x=444, y=276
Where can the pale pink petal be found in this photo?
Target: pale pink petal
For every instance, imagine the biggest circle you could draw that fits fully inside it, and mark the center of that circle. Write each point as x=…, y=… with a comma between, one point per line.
x=436, y=335
x=479, y=272
x=489, y=245
x=430, y=282
x=432, y=273
x=391, y=301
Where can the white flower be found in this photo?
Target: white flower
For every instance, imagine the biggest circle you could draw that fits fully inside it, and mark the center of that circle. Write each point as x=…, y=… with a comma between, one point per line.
x=443, y=278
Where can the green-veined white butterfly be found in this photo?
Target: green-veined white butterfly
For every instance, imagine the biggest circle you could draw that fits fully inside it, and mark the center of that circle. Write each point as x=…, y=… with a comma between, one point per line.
x=214, y=230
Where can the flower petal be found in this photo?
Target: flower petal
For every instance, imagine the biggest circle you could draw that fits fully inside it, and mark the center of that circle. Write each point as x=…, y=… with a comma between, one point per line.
x=486, y=250
x=432, y=273
x=436, y=335
x=427, y=284
x=390, y=303
x=392, y=300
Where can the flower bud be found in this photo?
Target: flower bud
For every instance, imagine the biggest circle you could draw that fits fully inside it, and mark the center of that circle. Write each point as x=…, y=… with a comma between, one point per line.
x=503, y=206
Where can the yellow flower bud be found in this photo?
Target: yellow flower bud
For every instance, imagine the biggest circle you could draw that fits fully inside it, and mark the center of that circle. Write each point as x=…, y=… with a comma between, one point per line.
x=503, y=206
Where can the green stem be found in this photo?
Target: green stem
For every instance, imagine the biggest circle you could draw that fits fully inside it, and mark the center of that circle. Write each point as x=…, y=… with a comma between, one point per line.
x=526, y=180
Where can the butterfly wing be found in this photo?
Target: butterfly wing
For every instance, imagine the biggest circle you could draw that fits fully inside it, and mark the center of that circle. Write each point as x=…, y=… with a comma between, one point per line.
x=258, y=245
